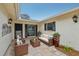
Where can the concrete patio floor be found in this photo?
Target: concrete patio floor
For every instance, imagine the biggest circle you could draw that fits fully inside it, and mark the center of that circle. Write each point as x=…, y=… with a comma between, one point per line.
x=42, y=50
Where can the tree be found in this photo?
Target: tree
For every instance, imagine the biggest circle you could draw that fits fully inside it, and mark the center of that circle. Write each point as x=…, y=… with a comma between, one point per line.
x=25, y=16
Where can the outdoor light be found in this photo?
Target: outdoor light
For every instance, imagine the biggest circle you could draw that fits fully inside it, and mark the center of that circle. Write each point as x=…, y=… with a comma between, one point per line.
x=9, y=21
x=75, y=18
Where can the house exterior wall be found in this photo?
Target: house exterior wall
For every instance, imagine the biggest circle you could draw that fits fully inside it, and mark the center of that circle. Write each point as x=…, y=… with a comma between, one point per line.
x=68, y=30
x=5, y=40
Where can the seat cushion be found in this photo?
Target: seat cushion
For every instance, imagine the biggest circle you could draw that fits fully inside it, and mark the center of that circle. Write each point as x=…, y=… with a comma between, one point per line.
x=45, y=39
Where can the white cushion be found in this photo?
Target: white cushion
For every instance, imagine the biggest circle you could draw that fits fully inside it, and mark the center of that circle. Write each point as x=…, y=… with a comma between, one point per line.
x=42, y=38
x=45, y=37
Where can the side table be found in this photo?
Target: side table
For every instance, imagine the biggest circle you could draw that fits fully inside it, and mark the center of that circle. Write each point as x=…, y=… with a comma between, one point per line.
x=35, y=43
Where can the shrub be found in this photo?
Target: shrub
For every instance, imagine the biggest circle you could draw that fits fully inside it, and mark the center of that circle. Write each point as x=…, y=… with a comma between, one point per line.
x=67, y=49
x=56, y=34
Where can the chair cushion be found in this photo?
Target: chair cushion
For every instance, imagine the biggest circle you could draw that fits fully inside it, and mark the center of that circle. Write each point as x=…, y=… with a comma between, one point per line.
x=45, y=39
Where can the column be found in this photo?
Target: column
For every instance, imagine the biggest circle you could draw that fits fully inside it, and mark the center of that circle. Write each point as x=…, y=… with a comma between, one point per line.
x=23, y=30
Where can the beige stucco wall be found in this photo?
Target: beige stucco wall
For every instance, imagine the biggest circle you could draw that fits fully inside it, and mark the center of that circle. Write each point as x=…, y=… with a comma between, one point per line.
x=5, y=40
x=66, y=27
x=69, y=32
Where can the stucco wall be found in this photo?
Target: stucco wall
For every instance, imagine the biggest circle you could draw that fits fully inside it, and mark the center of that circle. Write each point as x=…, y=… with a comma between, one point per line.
x=68, y=30
x=5, y=40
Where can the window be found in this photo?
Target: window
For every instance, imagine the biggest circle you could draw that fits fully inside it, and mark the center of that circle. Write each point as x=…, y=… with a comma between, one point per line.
x=50, y=26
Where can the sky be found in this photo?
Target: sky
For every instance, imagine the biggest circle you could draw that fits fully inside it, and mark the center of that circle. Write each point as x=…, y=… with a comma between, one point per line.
x=41, y=11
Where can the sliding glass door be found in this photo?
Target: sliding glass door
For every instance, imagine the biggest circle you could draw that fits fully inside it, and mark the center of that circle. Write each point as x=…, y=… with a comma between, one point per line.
x=30, y=30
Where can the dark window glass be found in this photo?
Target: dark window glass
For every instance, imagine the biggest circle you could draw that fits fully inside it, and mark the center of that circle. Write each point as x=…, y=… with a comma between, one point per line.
x=31, y=30
x=50, y=26
x=54, y=27
x=45, y=27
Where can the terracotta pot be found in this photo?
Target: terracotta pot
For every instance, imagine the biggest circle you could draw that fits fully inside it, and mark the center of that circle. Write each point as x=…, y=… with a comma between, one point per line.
x=56, y=41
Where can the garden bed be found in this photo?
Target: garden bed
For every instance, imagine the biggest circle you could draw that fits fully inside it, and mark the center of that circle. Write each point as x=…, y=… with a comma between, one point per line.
x=72, y=52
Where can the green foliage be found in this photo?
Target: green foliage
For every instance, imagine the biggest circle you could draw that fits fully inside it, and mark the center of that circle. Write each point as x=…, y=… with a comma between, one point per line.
x=67, y=49
x=56, y=34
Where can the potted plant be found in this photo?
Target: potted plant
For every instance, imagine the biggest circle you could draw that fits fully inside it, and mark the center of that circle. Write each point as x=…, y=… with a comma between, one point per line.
x=56, y=37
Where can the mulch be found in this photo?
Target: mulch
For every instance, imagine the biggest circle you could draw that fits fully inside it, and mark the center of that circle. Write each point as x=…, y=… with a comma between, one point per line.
x=69, y=53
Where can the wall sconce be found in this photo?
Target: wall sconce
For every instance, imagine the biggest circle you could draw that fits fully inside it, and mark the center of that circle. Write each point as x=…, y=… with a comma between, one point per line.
x=9, y=21
x=75, y=18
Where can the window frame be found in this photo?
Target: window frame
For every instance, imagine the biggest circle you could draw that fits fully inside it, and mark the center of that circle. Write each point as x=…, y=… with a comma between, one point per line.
x=47, y=26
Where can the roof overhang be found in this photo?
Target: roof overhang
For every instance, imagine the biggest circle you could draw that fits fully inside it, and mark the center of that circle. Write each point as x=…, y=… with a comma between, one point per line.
x=12, y=9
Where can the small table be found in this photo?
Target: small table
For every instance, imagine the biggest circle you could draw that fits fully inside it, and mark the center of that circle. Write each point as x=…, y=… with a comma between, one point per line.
x=35, y=42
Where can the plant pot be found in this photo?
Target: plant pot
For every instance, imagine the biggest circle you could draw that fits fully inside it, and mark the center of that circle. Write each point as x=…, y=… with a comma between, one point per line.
x=56, y=41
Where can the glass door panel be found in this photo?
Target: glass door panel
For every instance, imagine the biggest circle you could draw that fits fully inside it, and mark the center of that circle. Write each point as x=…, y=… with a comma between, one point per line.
x=30, y=30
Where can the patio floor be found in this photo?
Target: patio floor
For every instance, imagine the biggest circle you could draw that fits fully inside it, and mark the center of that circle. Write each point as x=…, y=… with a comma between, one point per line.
x=42, y=50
